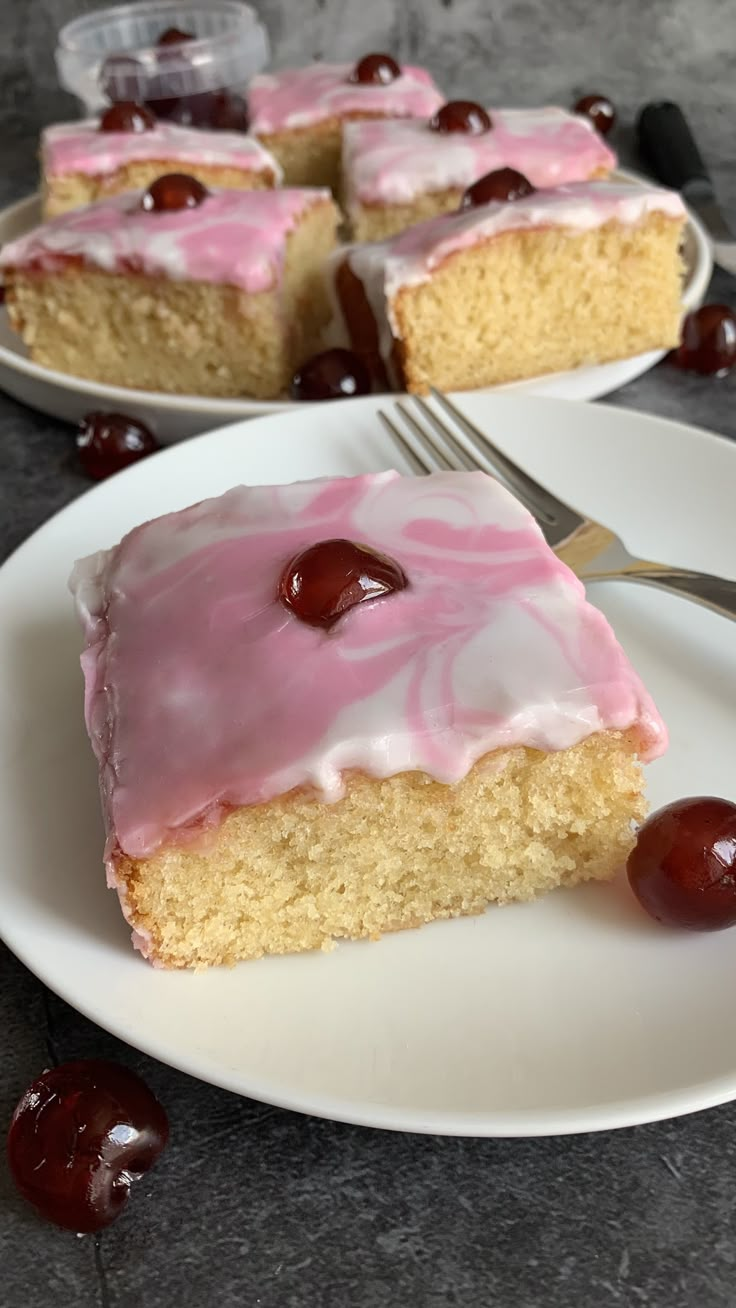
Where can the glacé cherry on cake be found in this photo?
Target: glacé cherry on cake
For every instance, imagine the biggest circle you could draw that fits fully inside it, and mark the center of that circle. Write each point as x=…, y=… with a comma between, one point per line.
x=551, y=280
x=298, y=112
x=399, y=172
x=176, y=289
x=83, y=162
x=336, y=708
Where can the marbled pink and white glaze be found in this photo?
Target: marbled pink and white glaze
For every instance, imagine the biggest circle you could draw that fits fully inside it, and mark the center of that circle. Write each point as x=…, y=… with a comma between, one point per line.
x=393, y=161
x=82, y=148
x=236, y=238
x=385, y=267
x=203, y=691
x=299, y=97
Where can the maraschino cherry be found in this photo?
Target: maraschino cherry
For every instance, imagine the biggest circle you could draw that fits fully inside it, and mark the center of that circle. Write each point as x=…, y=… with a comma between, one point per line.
x=325, y=580
x=80, y=1135
x=109, y=442
x=461, y=116
x=683, y=866
x=708, y=341
x=600, y=111
x=127, y=116
x=375, y=70
x=503, y=184
x=174, y=36
x=331, y=375
x=173, y=191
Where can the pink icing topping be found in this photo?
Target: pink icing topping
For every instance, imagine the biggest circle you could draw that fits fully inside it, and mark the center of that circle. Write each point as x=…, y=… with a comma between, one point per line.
x=392, y=162
x=203, y=691
x=233, y=237
x=82, y=148
x=298, y=97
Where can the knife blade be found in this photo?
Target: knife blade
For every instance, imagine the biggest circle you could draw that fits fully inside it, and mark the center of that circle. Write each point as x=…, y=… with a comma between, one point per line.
x=668, y=146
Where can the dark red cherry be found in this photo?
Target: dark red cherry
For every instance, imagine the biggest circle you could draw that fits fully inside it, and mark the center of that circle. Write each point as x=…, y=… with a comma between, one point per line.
x=173, y=191
x=228, y=112
x=503, y=184
x=122, y=78
x=327, y=579
x=461, y=116
x=708, y=341
x=127, y=116
x=683, y=866
x=108, y=442
x=175, y=36
x=375, y=70
x=3, y=293
x=600, y=111
x=332, y=375
x=80, y=1135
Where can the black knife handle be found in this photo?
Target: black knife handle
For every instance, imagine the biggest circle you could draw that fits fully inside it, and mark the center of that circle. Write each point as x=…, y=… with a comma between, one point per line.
x=668, y=146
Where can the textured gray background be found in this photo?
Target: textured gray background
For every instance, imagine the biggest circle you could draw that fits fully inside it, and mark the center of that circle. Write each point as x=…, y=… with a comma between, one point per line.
x=253, y=1206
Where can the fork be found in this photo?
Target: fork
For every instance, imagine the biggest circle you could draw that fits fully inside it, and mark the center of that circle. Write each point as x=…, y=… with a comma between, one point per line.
x=593, y=551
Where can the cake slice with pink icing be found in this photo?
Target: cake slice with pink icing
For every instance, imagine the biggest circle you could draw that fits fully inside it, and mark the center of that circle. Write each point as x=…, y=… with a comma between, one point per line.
x=81, y=162
x=289, y=753
x=177, y=288
x=399, y=172
x=298, y=112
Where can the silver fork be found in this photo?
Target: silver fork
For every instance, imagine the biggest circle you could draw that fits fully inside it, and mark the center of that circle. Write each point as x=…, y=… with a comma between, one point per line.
x=594, y=552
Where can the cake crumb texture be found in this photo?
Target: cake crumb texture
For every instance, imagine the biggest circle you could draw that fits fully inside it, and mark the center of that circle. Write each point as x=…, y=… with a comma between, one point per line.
x=527, y=303
x=296, y=874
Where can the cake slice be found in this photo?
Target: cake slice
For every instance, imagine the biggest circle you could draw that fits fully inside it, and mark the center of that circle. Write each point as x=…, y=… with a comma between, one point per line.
x=506, y=290
x=82, y=163
x=399, y=172
x=176, y=289
x=298, y=113
x=336, y=708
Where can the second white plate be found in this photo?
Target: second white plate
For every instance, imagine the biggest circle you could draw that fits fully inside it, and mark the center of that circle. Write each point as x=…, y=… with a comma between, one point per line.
x=173, y=417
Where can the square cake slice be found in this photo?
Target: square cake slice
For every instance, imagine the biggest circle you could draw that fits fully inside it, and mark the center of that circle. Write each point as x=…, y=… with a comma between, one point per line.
x=298, y=113
x=221, y=298
x=399, y=172
x=502, y=291
x=81, y=163
x=336, y=708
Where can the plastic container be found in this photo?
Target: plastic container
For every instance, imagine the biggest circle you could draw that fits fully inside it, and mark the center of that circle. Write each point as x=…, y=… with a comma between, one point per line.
x=115, y=54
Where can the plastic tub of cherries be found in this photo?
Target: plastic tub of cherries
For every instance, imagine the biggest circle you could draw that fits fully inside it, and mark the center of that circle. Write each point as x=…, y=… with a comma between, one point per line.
x=189, y=63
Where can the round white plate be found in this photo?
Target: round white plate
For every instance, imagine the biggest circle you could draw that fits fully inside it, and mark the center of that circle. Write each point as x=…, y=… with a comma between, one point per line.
x=572, y=1013
x=173, y=417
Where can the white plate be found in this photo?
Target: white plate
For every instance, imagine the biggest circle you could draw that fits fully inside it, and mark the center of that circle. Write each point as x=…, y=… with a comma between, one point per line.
x=173, y=417
x=570, y=1014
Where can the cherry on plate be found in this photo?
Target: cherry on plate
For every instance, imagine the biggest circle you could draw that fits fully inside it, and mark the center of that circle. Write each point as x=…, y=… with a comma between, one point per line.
x=503, y=184
x=683, y=866
x=331, y=375
x=173, y=191
x=708, y=342
x=461, y=116
x=375, y=70
x=109, y=442
x=600, y=111
x=127, y=116
x=80, y=1135
x=325, y=580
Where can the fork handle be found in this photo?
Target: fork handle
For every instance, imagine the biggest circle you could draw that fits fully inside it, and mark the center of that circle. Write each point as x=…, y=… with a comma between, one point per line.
x=715, y=593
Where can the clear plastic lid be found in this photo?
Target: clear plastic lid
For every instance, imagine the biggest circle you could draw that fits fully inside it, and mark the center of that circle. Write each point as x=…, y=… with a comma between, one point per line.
x=115, y=54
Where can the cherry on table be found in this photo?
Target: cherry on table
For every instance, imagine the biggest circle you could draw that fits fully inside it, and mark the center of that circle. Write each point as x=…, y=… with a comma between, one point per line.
x=173, y=191
x=599, y=109
x=325, y=580
x=461, y=116
x=127, y=116
x=109, y=442
x=375, y=70
x=708, y=342
x=331, y=375
x=80, y=1135
x=502, y=184
x=683, y=866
